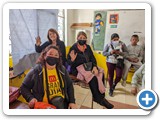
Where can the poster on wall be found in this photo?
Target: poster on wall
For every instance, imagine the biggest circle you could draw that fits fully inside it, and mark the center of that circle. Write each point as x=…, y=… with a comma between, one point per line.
x=99, y=30
x=113, y=18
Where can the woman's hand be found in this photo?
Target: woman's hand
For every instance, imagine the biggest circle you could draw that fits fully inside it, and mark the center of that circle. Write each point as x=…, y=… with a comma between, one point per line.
x=32, y=103
x=73, y=55
x=38, y=41
x=113, y=52
x=72, y=106
x=95, y=70
x=117, y=52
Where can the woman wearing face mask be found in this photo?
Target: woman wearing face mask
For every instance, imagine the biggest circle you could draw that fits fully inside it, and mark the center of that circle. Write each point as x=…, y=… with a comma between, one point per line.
x=53, y=39
x=113, y=50
x=49, y=82
x=80, y=54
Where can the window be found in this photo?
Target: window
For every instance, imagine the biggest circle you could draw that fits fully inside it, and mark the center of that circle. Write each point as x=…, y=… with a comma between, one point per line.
x=61, y=21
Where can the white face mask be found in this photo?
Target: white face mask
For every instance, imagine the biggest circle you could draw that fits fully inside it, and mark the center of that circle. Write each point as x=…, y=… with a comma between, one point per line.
x=115, y=43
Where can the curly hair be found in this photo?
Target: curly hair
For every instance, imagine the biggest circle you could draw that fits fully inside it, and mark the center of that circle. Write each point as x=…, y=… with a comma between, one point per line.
x=41, y=59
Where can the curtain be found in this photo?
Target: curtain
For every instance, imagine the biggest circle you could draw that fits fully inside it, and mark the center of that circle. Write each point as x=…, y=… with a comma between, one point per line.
x=25, y=25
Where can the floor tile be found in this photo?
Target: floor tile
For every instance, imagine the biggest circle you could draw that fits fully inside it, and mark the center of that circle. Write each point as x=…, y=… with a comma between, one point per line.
x=120, y=96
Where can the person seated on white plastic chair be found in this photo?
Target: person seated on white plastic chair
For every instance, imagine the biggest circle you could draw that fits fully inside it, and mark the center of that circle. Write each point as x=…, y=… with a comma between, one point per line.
x=134, y=58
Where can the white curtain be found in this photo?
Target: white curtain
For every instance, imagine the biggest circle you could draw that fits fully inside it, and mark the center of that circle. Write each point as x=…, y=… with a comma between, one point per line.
x=25, y=25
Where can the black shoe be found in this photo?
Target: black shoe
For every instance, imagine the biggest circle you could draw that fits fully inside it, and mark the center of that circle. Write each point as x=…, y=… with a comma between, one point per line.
x=110, y=92
x=106, y=104
x=113, y=86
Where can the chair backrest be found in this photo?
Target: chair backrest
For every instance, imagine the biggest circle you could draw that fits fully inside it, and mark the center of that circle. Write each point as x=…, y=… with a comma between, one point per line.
x=101, y=62
x=10, y=62
x=67, y=50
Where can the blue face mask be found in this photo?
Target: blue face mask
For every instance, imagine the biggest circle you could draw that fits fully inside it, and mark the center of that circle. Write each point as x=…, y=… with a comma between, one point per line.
x=115, y=43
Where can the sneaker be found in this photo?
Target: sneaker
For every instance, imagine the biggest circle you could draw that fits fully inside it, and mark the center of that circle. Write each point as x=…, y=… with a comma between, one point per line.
x=106, y=104
x=123, y=83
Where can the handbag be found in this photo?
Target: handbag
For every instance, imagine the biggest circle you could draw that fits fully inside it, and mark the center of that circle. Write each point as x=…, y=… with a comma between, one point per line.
x=88, y=66
x=120, y=63
x=58, y=101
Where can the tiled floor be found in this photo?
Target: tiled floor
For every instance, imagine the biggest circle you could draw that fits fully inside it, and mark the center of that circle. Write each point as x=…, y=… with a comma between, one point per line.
x=122, y=98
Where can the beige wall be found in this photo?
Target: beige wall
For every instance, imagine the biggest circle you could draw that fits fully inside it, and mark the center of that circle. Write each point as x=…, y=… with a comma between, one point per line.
x=70, y=32
x=130, y=22
x=84, y=15
x=78, y=16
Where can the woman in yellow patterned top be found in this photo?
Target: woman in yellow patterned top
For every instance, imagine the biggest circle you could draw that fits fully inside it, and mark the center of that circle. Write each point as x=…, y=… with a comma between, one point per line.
x=49, y=82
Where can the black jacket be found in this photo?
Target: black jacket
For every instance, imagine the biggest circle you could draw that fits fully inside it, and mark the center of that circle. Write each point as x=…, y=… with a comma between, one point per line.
x=61, y=46
x=81, y=58
x=32, y=86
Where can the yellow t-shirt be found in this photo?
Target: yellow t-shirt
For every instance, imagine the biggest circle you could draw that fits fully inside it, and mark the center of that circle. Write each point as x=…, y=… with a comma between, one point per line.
x=53, y=85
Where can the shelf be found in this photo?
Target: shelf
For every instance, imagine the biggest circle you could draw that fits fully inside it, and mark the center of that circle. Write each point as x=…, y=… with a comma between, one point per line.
x=81, y=25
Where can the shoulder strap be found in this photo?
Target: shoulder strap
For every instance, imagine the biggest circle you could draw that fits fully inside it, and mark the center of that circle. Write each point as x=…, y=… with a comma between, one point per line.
x=85, y=57
x=112, y=47
x=46, y=75
x=60, y=76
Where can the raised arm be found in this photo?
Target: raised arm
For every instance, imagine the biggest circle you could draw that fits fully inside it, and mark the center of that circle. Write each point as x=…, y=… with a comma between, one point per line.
x=39, y=48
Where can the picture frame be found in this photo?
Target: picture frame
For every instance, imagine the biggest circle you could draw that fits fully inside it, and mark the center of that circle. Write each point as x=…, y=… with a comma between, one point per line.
x=114, y=18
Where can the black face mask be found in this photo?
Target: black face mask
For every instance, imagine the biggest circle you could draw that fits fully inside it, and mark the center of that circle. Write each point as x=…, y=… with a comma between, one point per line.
x=82, y=42
x=51, y=60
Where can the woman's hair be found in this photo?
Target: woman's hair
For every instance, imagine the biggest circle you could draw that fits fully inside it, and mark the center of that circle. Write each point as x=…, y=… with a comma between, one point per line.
x=53, y=31
x=135, y=36
x=41, y=59
x=81, y=33
x=114, y=35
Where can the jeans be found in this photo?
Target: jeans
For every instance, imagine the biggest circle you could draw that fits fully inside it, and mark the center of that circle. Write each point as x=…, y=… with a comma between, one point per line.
x=119, y=71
